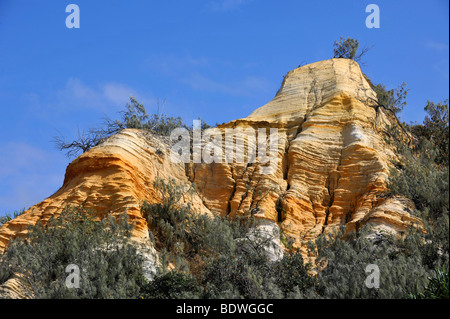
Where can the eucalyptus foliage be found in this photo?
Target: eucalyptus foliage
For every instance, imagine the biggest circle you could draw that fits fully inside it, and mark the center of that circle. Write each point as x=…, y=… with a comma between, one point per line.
x=108, y=261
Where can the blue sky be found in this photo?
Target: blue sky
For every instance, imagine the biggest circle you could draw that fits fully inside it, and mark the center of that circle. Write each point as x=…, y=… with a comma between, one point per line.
x=217, y=59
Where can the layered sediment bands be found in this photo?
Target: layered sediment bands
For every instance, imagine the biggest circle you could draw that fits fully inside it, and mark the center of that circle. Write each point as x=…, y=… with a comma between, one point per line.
x=330, y=170
x=332, y=164
x=112, y=178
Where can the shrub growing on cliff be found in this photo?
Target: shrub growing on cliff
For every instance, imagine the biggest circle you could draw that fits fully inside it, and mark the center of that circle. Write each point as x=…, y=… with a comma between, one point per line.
x=109, y=264
x=7, y=217
x=135, y=116
x=400, y=263
x=420, y=180
x=438, y=286
x=172, y=285
x=393, y=99
x=182, y=232
x=435, y=128
x=423, y=176
x=427, y=184
x=218, y=253
x=249, y=274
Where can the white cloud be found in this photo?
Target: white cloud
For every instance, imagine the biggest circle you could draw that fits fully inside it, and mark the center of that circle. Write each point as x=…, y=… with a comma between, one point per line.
x=24, y=157
x=437, y=46
x=193, y=71
x=118, y=94
x=109, y=96
x=247, y=86
x=440, y=61
x=442, y=68
x=76, y=95
x=201, y=83
x=80, y=91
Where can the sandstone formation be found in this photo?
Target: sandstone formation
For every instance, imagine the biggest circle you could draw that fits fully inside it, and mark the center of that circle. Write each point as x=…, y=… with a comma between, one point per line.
x=331, y=170
x=112, y=178
x=333, y=160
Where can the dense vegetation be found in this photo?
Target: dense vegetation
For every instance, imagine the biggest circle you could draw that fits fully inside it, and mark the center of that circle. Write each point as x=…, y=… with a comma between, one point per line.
x=109, y=264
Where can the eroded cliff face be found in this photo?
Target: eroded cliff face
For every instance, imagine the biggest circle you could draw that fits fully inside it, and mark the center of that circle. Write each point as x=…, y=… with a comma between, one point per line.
x=333, y=160
x=112, y=178
x=331, y=170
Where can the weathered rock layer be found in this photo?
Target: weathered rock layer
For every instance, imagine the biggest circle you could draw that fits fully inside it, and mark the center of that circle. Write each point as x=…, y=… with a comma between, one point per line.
x=331, y=168
x=113, y=178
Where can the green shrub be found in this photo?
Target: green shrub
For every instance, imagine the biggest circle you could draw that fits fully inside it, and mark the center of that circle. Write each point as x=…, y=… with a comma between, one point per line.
x=422, y=175
x=172, y=285
x=109, y=264
x=240, y=276
x=420, y=180
x=345, y=259
x=292, y=276
x=393, y=99
x=438, y=287
x=347, y=48
x=7, y=217
x=435, y=128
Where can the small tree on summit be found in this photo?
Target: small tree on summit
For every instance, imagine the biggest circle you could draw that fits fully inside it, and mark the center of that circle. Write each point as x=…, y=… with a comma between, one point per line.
x=348, y=49
x=135, y=116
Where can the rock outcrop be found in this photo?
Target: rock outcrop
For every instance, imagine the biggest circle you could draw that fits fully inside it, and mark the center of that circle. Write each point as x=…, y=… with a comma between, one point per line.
x=333, y=159
x=112, y=178
x=331, y=169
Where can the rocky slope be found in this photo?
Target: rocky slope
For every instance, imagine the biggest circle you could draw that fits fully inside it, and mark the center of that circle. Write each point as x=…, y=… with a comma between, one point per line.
x=332, y=165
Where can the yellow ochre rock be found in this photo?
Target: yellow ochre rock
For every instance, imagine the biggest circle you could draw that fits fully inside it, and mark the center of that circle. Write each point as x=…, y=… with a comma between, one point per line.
x=112, y=178
x=331, y=169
